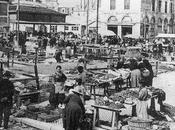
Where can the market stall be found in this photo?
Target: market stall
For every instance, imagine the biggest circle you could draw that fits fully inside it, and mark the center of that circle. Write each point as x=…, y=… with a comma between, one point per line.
x=108, y=111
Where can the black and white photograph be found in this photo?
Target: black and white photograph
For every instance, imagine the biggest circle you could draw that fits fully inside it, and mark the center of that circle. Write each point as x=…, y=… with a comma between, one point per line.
x=87, y=64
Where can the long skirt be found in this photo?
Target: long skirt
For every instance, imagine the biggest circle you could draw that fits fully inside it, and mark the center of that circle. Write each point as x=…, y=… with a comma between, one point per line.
x=142, y=109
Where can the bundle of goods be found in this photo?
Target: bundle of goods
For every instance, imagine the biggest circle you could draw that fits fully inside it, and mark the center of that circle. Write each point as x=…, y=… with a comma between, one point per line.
x=12, y=75
x=161, y=95
x=32, y=111
x=51, y=115
x=22, y=88
x=107, y=102
x=46, y=89
x=169, y=110
x=107, y=77
x=91, y=80
x=124, y=95
x=160, y=125
x=167, y=67
x=124, y=73
x=73, y=71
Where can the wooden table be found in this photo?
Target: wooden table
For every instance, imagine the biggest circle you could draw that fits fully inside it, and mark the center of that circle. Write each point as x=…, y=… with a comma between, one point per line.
x=115, y=118
x=33, y=96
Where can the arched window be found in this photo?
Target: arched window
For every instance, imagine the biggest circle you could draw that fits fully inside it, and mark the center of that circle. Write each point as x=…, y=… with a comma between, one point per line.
x=112, y=20
x=165, y=25
x=171, y=25
x=146, y=20
x=159, y=25
x=127, y=20
x=152, y=26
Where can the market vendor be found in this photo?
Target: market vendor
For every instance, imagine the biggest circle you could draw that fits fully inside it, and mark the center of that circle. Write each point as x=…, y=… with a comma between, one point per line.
x=82, y=62
x=59, y=79
x=58, y=55
x=82, y=76
x=6, y=98
x=74, y=109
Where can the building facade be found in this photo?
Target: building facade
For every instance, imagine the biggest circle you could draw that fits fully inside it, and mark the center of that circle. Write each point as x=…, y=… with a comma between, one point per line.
x=4, y=17
x=144, y=18
x=35, y=17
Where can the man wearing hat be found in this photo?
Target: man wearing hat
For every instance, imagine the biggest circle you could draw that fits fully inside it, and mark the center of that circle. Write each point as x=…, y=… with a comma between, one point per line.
x=74, y=109
x=6, y=98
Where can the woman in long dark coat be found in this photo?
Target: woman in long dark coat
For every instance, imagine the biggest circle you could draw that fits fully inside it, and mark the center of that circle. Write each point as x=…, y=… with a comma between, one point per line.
x=149, y=67
x=74, y=109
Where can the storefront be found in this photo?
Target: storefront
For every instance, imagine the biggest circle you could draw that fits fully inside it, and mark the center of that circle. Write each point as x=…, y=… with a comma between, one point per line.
x=113, y=24
x=4, y=21
x=126, y=27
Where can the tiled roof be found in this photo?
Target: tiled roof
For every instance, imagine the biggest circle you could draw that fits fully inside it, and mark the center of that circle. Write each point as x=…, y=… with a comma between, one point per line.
x=34, y=9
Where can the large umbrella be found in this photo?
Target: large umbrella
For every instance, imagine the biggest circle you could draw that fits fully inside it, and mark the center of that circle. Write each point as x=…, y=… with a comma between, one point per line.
x=162, y=35
x=106, y=32
x=132, y=36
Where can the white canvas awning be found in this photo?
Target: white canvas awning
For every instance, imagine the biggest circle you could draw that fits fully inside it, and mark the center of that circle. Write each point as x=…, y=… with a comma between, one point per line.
x=132, y=36
x=106, y=32
x=162, y=35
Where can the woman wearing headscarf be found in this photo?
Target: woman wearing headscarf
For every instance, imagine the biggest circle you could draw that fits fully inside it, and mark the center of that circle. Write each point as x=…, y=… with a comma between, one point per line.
x=74, y=109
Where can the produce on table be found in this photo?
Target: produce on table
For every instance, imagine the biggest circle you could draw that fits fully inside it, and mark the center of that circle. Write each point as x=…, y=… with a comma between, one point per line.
x=125, y=94
x=107, y=102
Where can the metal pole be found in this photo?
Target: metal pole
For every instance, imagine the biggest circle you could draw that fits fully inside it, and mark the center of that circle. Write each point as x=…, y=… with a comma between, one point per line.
x=18, y=21
x=87, y=22
x=36, y=69
x=97, y=21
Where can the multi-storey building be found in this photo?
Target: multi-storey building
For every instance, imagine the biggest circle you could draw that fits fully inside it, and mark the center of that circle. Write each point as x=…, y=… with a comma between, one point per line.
x=144, y=18
x=4, y=17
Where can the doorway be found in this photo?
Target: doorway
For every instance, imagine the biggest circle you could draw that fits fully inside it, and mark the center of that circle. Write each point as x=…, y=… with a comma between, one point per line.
x=126, y=29
x=113, y=28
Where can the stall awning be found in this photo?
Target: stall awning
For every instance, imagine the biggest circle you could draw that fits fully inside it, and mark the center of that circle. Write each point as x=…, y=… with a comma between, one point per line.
x=162, y=35
x=45, y=23
x=34, y=9
x=133, y=36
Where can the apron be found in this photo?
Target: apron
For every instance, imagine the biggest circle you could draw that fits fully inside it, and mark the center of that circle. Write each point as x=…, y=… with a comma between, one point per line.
x=59, y=87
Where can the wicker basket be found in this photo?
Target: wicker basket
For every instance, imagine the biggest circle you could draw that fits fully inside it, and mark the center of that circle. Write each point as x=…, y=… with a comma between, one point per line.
x=135, y=124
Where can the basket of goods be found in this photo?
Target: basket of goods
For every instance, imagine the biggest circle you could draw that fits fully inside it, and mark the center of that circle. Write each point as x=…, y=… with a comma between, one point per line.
x=139, y=124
